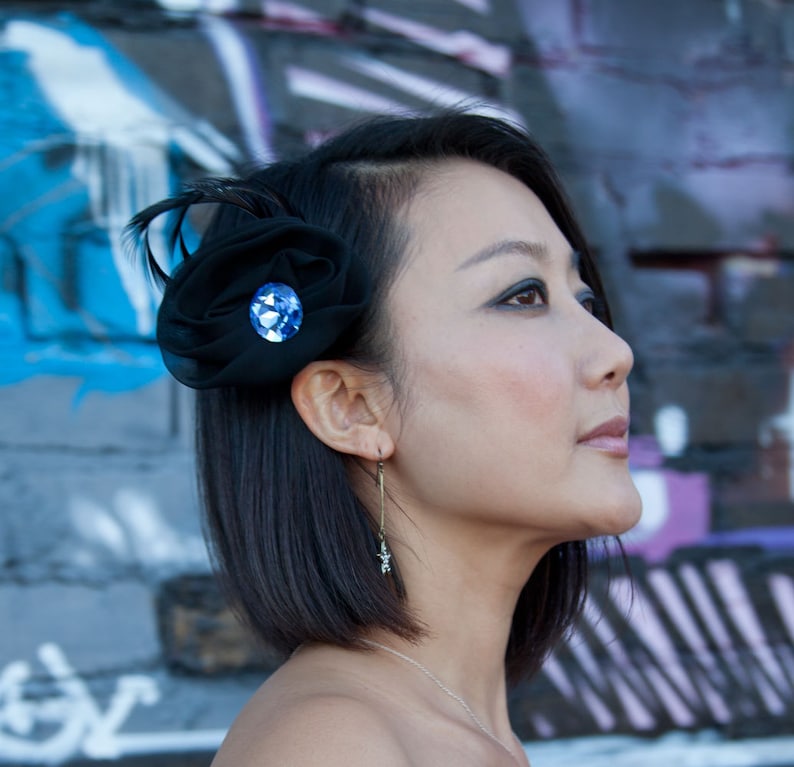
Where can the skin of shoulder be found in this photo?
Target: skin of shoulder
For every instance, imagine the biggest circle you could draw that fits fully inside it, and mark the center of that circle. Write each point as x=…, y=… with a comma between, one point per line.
x=323, y=730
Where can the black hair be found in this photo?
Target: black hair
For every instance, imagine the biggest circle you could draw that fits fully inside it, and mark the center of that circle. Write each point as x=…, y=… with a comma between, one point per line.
x=294, y=545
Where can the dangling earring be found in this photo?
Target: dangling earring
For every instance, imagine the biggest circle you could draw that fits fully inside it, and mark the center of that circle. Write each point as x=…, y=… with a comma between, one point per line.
x=384, y=555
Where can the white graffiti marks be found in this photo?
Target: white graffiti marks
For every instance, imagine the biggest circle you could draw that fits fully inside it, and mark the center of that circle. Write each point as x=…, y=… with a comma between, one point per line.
x=122, y=140
x=50, y=728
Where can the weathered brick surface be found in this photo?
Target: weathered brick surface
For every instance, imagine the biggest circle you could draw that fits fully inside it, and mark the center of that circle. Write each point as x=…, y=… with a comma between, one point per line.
x=546, y=118
x=721, y=400
x=677, y=30
x=686, y=209
x=181, y=62
x=608, y=113
x=100, y=629
x=97, y=516
x=67, y=416
x=670, y=124
x=762, y=317
x=496, y=20
x=730, y=128
x=294, y=62
x=550, y=28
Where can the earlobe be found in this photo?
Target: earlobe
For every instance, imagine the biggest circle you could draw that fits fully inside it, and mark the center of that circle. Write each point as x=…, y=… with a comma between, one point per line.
x=343, y=407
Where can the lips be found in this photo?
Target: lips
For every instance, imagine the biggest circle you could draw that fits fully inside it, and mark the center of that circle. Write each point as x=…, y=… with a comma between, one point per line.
x=610, y=437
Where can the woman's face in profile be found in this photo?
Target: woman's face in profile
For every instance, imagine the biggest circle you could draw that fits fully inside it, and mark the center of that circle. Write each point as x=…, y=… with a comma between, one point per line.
x=516, y=401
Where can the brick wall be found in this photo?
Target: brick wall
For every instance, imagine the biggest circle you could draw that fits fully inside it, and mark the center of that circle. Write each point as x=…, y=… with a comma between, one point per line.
x=672, y=126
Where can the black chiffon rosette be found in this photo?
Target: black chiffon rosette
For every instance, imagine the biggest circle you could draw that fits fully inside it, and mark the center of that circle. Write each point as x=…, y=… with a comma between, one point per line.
x=203, y=325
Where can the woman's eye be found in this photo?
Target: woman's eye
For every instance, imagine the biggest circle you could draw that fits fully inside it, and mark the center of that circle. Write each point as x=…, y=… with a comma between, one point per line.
x=589, y=301
x=529, y=294
x=528, y=297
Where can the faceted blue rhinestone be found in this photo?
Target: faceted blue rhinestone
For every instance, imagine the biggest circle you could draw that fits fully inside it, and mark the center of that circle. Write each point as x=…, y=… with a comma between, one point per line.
x=276, y=312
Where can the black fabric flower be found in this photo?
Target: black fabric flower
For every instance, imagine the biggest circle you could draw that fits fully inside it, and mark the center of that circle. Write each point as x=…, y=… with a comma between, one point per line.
x=203, y=325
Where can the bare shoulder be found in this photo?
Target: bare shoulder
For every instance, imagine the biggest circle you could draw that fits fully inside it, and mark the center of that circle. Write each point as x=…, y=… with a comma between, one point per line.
x=331, y=730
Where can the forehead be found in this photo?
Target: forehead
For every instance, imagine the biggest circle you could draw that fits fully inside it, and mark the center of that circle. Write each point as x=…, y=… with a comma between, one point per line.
x=462, y=207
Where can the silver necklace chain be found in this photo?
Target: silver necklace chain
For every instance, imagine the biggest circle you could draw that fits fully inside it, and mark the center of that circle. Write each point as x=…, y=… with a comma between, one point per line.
x=430, y=675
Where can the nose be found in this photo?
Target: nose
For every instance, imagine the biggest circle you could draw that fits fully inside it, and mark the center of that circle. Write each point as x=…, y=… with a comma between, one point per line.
x=606, y=359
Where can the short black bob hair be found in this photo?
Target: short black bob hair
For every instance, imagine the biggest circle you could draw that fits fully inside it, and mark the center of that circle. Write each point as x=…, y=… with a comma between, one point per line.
x=294, y=546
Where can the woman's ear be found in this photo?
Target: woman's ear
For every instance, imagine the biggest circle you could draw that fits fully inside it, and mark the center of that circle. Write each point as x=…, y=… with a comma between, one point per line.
x=345, y=407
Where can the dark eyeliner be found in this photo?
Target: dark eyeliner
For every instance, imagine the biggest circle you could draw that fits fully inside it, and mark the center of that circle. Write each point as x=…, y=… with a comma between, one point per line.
x=598, y=304
x=531, y=283
x=586, y=295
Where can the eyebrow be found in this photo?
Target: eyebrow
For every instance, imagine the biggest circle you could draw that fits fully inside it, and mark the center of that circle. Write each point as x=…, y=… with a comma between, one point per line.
x=535, y=250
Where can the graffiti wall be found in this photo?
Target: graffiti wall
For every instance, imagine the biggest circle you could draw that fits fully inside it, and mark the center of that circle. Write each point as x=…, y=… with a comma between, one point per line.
x=671, y=124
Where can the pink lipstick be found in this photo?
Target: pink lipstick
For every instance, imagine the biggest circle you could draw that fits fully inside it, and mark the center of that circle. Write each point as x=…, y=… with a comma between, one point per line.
x=609, y=437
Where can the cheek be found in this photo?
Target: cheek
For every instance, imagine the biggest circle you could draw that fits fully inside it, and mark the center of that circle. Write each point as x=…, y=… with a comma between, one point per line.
x=487, y=445
x=479, y=402
x=536, y=388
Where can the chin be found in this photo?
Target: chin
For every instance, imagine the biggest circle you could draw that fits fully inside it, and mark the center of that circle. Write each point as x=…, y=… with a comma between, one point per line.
x=615, y=515
x=626, y=514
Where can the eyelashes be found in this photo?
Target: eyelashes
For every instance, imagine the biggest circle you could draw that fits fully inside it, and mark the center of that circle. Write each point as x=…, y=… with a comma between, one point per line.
x=589, y=301
x=533, y=294
x=595, y=304
x=523, y=295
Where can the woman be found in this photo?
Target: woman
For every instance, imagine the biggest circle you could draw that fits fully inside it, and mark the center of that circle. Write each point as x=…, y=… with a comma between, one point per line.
x=411, y=413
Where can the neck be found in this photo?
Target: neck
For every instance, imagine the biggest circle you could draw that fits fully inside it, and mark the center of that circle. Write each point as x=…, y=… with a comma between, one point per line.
x=463, y=586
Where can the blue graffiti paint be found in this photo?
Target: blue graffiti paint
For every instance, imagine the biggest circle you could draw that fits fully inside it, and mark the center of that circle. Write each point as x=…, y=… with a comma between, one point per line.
x=65, y=308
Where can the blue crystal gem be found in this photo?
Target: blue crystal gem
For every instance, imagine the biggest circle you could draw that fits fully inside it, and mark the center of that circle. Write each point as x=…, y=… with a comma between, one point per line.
x=276, y=312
